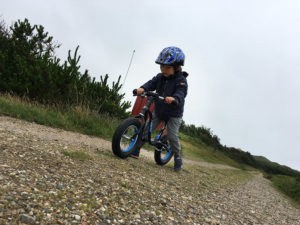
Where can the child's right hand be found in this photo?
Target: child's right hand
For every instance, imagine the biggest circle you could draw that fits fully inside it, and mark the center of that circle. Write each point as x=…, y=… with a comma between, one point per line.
x=140, y=91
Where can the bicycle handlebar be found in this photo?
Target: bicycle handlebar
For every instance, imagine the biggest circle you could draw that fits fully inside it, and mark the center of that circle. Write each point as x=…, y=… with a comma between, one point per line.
x=155, y=95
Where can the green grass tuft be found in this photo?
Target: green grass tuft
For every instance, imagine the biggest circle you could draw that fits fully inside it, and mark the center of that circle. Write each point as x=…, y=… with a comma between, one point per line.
x=78, y=155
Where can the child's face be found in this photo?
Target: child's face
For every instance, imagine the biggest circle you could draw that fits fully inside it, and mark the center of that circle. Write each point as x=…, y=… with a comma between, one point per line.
x=167, y=70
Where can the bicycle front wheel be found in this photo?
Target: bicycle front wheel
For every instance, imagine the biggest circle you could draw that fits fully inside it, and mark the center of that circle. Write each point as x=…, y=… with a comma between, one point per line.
x=126, y=137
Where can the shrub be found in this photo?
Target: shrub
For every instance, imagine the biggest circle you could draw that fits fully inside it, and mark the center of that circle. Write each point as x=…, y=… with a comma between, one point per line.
x=29, y=67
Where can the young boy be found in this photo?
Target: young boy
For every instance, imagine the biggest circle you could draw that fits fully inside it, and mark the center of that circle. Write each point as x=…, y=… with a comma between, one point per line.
x=171, y=83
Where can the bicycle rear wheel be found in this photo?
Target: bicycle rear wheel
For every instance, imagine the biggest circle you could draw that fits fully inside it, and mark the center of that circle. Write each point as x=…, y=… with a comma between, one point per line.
x=163, y=154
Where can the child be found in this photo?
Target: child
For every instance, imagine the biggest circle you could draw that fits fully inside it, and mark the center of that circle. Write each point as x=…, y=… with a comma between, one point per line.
x=171, y=83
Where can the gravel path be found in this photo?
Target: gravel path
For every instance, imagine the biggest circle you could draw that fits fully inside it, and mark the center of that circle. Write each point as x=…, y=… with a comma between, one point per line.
x=41, y=182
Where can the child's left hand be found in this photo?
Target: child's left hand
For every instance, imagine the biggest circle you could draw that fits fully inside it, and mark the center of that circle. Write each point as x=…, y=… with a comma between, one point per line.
x=169, y=100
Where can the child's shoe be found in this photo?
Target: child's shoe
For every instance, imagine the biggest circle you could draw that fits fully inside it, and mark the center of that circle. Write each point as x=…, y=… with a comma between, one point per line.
x=177, y=164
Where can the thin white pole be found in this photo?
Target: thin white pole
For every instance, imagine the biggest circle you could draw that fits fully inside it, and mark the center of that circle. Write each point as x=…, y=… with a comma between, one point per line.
x=128, y=68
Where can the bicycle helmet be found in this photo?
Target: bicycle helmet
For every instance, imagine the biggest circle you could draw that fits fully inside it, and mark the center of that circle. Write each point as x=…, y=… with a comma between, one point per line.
x=172, y=56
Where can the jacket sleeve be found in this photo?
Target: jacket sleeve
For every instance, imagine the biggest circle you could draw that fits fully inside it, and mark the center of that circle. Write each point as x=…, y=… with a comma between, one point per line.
x=151, y=84
x=181, y=89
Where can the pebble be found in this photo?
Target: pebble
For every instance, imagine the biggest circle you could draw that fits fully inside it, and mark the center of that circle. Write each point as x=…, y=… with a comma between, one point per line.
x=137, y=216
x=27, y=219
x=77, y=217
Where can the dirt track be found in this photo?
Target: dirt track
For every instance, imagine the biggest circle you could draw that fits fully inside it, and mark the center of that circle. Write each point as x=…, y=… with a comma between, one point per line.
x=39, y=184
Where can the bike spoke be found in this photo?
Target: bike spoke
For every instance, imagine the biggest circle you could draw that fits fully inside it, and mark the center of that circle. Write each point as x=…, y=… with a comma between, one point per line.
x=126, y=137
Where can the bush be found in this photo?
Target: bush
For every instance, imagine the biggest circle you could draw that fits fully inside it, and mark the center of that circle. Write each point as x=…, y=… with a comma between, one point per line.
x=29, y=67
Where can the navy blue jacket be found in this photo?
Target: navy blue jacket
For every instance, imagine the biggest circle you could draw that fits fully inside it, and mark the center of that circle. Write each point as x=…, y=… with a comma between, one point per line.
x=175, y=86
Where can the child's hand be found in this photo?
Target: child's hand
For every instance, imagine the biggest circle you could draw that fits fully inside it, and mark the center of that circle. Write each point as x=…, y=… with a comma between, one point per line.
x=169, y=100
x=140, y=91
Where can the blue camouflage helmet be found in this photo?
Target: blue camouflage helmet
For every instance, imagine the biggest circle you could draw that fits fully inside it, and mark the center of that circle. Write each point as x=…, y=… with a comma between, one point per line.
x=172, y=56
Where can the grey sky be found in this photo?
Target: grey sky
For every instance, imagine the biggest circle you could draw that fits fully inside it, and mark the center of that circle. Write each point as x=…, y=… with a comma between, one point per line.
x=243, y=58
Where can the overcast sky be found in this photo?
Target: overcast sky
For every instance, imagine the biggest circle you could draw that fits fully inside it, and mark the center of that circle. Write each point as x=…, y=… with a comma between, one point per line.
x=243, y=57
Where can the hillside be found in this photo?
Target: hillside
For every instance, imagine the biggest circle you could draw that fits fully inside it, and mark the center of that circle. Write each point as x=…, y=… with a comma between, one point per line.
x=51, y=176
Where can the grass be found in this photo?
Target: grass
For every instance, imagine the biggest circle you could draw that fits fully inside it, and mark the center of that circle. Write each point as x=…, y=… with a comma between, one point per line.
x=194, y=149
x=78, y=155
x=75, y=119
x=288, y=185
